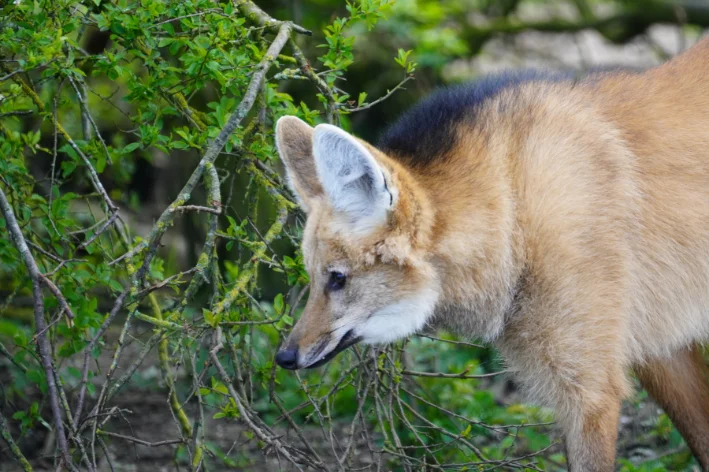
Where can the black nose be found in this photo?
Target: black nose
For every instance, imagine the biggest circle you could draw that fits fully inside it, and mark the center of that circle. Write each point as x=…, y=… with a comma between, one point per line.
x=287, y=358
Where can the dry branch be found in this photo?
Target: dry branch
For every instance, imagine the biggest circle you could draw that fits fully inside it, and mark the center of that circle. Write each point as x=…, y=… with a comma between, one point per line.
x=45, y=349
x=140, y=441
x=258, y=430
x=19, y=457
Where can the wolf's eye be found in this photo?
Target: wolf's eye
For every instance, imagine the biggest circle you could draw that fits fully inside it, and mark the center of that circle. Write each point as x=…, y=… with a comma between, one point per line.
x=337, y=280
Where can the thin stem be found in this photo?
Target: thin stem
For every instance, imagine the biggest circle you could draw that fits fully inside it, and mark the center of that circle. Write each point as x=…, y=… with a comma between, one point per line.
x=19, y=457
x=40, y=324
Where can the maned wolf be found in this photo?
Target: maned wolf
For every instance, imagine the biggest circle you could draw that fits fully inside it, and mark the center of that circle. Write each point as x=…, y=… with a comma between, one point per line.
x=566, y=221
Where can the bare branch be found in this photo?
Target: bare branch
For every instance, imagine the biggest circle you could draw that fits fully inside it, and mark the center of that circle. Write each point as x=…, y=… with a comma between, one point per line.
x=11, y=74
x=380, y=99
x=57, y=294
x=462, y=375
x=245, y=415
x=168, y=442
x=16, y=113
x=261, y=18
x=43, y=342
x=198, y=208
x=19, y=457
x=87, y=352
x=100, y=231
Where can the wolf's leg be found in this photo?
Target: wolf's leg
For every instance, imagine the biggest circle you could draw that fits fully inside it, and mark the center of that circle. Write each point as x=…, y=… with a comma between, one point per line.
x=680, y=384
x=582, y=378
x=590, y=436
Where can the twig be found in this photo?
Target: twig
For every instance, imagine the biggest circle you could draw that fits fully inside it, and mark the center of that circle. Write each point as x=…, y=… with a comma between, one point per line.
x=102, y=443
x=162, y=284
x=139, y=247
x=8, y=76
x=11, y=358
x=85, y=230
x=98, y=233
x=380, y=99
x=140, y=441
x=191, y=15
x=451, y=341
x=16, y=113
x=19, y=457
x=60, y=265
x=246, y=275
x=248, y=322
x=307, y=70
x=177, y=409
x=46, y=253
x=244, y=414
x=261, y=18
x=72, y=431
x=43, y=341
x=87, y=352
x=198, y=208
x=442, y=375
x=57, y=294
x=86, y=120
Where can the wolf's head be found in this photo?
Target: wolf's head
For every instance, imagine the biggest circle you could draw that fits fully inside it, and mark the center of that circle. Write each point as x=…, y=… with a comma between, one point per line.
x=364, y=245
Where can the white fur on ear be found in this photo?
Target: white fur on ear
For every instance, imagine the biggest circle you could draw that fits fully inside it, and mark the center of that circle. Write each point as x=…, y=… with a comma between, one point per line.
x=353, y=181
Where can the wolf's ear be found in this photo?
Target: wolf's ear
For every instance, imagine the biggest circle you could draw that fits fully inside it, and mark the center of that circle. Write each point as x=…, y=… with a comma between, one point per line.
x=353, y=181
x=294, y=139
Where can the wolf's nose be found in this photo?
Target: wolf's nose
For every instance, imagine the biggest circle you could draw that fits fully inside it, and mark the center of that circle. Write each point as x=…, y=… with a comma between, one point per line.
x=287, y=358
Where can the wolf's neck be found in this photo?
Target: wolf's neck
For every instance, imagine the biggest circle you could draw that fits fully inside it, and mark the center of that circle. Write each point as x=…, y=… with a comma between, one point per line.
x=476, y=246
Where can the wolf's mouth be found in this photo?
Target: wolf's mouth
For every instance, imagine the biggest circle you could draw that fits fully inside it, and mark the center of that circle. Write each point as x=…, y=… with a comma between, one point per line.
x=349, y=339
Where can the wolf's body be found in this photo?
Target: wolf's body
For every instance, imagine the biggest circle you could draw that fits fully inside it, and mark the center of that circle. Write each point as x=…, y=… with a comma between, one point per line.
x=565, y=221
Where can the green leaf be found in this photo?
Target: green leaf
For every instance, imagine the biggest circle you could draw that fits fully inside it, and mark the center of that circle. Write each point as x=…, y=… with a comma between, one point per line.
x=20, y=338
x=221, y=388
x=115, y=286
x=278, y=304
x=361, y=99
x=210, y=318
x=100, y=162
x=130, y=148
x=35, y=376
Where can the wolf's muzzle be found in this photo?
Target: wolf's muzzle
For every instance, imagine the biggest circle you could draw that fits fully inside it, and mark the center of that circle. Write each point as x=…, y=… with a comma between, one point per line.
x=289, y=358
x=349, y=339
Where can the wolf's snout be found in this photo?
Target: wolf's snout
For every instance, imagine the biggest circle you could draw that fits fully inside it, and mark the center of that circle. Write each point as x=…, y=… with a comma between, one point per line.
x=287, y=358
